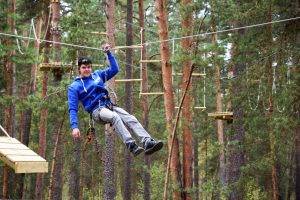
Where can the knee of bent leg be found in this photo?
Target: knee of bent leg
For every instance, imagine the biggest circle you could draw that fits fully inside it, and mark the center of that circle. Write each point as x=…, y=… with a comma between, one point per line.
x=115, y=117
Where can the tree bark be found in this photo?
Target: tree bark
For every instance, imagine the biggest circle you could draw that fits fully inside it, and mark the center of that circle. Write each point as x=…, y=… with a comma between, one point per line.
x=297, y=189
x=128, y=98
x=56, y=33
x=109, y=181
x=169, y=98
x=145, y=104
x=39, y=184
x=187, y=155
x=219, y=109
x=237, y=134
x=274, y=175
x=56, y=182
x=9, y=73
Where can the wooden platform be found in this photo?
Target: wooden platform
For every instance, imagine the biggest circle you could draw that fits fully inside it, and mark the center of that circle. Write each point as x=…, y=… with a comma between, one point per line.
x=53, y=66
x=20, y=157
x=222, y=115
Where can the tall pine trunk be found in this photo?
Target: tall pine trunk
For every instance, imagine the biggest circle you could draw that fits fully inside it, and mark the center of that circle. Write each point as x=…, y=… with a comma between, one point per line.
x=162, y=17
x=128, y=99
x=145, y=104
x=219, y=109
x=109, y=180
x=10, y=88
x=269, y=68
x=236, y=137
x=56, y=32
x=187, y=155
x=39, y=184
x=57, y=178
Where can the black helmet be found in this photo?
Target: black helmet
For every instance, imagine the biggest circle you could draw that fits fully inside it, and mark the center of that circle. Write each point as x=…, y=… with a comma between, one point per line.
x=84, y=60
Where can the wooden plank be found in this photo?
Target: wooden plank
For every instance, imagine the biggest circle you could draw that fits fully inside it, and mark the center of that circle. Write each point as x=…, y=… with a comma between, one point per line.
x=127, y=80
x=128, y=47
x=222, y=115
x=150, y=61
x=25, y=152
x=199, y=107
x=31, y=167
x=19, y=158
x=4, y=139
x=193, y=74
x=151, y=93
x=7, y=161
x=12, y=146
x=98, y=33
x=56, y=65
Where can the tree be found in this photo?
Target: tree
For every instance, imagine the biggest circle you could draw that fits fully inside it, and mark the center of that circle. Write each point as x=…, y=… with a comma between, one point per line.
x=145, y=104
x=169, y=99
x=187, y=155
x=237, y=134
x=39, y=185
x=10, y=87
x=218, y=103
x=109, y=182
x=128, y=102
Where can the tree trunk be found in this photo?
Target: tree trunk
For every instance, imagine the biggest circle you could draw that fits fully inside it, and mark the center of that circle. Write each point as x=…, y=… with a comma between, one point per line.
x=109, y=181
x=20, y=177
x=128, y=99
x=39, y=184
x=56, y=32
x=274, y=176
x=9, y=73
x=169, y=98
x=74, y=184
x=187, y=155
x=196, y=176
x=56, y=182
x=145, y=104
x=297, y=189
x=236, y=136
x=219, y=109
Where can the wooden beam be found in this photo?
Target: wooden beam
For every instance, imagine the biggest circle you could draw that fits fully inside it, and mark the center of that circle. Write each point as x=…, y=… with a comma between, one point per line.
x=98, y=33
x=127, y=80
x=151, y=93
x=19, y=157
x=222, y=115
x=128, y=47
x=193, y=74
x=197, y=107
x=150, y=61
x=56, y=65
x=200, y=108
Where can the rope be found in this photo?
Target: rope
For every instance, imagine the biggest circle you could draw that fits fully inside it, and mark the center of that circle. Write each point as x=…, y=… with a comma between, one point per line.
x=4, y=131
x=18, y=44
x=159, y=41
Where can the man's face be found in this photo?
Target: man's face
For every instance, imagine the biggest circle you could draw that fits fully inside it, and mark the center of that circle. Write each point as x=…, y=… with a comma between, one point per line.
x=85, y=70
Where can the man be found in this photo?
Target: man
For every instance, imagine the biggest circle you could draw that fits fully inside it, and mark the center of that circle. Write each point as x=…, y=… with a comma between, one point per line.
x=89, y=89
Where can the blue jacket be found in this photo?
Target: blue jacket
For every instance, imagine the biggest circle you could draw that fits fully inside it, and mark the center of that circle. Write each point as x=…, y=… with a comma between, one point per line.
x=90, y=90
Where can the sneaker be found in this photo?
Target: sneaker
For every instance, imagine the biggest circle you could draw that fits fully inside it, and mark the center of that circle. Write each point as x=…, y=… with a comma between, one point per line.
x=134, y=148
x=152, y=146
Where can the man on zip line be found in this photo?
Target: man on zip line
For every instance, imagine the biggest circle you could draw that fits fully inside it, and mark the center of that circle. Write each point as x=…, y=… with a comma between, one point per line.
x=89, y=89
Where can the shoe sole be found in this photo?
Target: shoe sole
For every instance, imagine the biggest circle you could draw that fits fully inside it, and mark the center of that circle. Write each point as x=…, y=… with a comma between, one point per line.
x=155, y=148
x=138, y=152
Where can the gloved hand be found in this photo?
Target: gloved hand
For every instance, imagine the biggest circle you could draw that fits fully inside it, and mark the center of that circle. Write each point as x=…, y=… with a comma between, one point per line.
x=105, y=48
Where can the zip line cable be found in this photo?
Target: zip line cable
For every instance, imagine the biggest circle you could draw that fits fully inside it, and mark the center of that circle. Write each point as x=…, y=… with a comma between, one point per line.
x=159, y=41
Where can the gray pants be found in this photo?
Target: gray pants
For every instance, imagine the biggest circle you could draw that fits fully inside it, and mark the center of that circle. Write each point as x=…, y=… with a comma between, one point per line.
x=119, y=118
